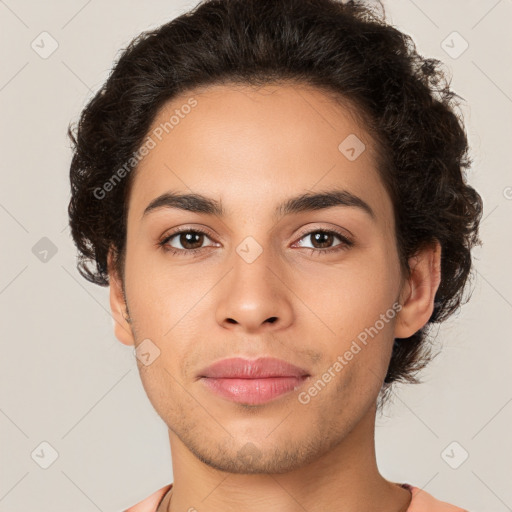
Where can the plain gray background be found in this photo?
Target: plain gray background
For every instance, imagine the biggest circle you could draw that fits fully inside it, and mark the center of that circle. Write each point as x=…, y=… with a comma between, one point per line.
x=65, y=379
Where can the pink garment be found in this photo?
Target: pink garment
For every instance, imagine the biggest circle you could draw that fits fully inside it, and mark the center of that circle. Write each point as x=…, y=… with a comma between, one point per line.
x=421, y=502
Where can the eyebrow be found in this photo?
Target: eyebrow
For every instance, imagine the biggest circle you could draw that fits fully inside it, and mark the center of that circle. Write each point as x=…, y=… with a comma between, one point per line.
x=198, y=203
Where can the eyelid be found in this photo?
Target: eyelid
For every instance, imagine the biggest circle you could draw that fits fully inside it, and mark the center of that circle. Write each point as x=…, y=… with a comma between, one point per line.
x=304, y=231
x=186, y=229
x=164, y=239
x=341, y=232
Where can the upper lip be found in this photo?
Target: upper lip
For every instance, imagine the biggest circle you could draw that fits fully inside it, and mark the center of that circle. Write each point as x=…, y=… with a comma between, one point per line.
x=263, y=367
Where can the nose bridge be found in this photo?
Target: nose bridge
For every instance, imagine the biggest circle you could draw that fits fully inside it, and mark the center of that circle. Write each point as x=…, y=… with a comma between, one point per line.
x=251, y=267
x=254, y=294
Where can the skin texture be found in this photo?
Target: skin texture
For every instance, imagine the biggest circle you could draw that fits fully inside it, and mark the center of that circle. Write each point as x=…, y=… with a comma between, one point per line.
x=252, y=149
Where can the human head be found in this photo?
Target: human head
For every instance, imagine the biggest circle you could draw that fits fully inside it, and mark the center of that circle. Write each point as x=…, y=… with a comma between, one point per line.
x=345, y=50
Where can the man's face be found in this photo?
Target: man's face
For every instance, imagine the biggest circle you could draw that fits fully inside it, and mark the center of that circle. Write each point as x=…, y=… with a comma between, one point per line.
x=263, y=283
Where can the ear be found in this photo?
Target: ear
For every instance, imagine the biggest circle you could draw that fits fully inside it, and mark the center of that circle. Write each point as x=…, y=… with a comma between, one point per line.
x=419, y=290
x=122, y=327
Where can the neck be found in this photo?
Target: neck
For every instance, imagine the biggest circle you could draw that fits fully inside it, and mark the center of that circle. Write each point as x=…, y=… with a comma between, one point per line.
x=344, y=478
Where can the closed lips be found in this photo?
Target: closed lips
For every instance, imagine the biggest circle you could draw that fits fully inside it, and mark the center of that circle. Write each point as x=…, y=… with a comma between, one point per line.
x=261, y=368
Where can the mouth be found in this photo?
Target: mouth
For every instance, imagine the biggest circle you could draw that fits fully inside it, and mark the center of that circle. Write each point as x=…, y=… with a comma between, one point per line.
x=254, y=381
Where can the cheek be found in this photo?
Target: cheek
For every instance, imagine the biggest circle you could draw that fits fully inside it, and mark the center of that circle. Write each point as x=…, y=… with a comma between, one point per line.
x=160, y=295
x=168, y=307
x=348, y=296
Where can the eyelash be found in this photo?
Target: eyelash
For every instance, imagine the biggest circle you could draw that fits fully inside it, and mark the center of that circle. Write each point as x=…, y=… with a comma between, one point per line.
x=345, y=242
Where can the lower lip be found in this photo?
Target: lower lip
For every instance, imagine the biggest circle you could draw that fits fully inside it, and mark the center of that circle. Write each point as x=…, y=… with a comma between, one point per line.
x=253, y=391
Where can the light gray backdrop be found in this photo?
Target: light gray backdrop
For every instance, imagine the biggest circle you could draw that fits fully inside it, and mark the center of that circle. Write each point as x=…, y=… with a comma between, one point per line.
x=71, y=398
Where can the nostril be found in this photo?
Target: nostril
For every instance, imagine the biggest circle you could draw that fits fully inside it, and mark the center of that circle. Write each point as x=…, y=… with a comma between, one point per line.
x=272, y=319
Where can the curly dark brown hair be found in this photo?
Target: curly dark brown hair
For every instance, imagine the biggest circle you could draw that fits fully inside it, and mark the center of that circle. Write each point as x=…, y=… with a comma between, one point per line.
x=346, y=49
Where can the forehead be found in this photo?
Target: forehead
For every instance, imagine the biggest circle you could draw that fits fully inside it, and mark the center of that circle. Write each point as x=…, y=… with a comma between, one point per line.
x=252, y=147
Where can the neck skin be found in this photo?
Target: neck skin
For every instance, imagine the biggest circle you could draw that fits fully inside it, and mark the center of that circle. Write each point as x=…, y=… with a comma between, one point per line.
x=345, y=479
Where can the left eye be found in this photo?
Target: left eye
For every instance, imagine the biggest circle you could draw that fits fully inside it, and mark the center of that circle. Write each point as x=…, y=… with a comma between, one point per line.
x=324, y=238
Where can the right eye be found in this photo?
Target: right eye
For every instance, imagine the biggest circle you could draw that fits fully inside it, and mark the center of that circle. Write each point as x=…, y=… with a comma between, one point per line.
x=185, y=237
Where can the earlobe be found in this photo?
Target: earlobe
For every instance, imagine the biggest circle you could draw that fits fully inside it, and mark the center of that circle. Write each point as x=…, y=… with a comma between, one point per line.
x=419, y=290
x=122, y=328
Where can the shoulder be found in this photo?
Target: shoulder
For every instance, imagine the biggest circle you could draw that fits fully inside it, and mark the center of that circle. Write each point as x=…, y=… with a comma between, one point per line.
x=151, y=503
x=422, y=501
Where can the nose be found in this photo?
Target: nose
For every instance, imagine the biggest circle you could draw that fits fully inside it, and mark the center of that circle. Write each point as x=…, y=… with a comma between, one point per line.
x=255, y=296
